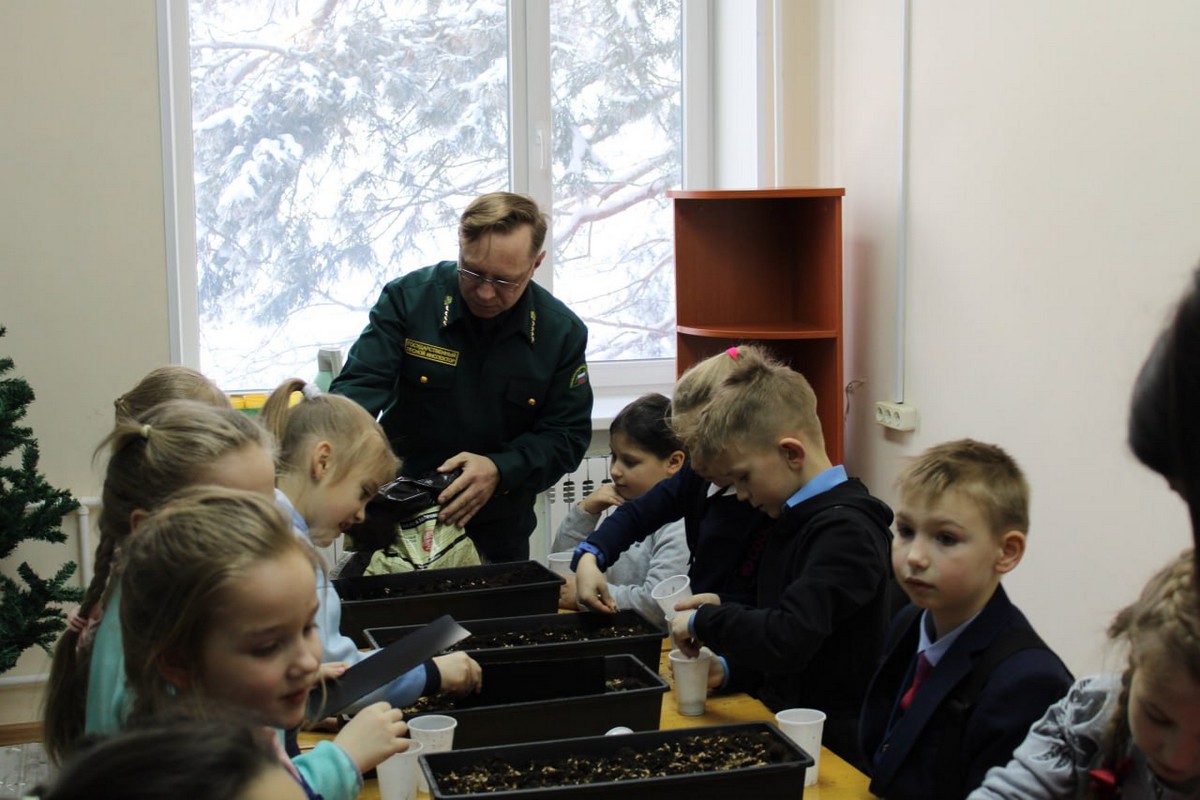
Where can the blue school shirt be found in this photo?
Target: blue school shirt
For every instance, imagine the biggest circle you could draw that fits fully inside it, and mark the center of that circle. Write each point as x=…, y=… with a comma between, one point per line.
x=405, y=689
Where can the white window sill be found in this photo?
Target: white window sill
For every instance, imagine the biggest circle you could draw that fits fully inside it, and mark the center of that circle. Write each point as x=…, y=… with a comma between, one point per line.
x=615, y=384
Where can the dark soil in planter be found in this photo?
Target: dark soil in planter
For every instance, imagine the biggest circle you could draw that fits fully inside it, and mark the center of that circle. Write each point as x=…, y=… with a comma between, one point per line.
x=692, y=754
x=432, y=583
x=466, y=593
x=546, y=636
x=442, y=702
x=482, y=641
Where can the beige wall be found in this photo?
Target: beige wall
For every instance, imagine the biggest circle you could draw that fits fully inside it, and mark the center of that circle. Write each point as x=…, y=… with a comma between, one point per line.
x=82, y=278
x=1053, y=205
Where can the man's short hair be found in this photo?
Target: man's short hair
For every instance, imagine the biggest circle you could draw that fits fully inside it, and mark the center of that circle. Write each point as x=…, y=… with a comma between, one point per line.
x=502, y=212
x=983, y=473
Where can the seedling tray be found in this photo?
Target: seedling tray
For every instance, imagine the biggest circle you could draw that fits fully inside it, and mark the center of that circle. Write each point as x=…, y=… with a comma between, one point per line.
x=413, y=598
x=529, y=701
x=512, y=771
x=555, y=636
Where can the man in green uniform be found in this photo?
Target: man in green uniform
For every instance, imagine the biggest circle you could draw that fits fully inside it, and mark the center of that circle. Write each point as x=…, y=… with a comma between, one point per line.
x=475, y=366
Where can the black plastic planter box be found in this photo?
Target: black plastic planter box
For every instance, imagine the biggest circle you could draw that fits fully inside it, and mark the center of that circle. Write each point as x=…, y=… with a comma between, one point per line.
x=530, y=701
x=783, y=777
x=646, y=645
x=414, y=598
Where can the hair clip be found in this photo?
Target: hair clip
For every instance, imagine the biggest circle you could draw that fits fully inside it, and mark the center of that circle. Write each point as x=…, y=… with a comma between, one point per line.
x=732, y=352
x=311, y=391
x=146, y=431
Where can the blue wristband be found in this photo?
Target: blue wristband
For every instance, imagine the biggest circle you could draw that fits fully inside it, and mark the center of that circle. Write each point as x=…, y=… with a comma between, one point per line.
x=584, y=547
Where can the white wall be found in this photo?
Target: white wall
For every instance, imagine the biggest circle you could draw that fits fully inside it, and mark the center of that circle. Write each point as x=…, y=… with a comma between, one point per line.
x=1055, y=169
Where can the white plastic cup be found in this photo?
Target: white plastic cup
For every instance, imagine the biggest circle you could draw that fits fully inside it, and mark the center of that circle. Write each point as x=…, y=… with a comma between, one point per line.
x=398, y=774
x=803, y=726
x=674, y=589
x=436, y=733
x=560, y=563
x=691, y=681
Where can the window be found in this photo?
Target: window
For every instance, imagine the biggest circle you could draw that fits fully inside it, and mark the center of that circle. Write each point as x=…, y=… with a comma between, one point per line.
x=336, y=142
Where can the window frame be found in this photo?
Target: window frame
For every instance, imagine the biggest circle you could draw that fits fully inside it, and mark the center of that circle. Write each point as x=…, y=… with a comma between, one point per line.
x=614, y=382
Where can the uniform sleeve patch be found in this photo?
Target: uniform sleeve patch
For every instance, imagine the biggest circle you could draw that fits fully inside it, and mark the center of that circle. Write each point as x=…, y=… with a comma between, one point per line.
x=580, y=377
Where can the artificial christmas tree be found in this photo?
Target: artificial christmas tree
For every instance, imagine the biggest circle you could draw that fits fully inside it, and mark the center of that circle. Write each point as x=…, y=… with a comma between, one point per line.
x=30, y=509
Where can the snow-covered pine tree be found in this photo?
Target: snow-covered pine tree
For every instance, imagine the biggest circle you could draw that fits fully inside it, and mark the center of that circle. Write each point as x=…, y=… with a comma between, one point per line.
x=30, y=509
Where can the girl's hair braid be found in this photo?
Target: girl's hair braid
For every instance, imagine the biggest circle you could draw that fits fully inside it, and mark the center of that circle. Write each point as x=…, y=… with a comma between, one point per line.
x=1162, y=624
x=169, y=447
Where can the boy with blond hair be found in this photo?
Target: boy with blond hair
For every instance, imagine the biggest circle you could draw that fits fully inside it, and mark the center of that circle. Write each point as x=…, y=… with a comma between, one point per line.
x=812, y=637
x=964, y=675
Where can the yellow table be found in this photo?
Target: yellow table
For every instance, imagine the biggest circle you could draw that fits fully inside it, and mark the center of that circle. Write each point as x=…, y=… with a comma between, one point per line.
x=838, y=780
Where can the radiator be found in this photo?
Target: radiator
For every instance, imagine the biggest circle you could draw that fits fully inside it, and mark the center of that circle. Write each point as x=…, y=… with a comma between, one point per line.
x=570, y=489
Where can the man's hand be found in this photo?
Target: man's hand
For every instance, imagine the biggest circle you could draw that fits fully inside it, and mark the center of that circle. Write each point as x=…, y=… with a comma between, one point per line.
x=591, y=589
x=462, y=499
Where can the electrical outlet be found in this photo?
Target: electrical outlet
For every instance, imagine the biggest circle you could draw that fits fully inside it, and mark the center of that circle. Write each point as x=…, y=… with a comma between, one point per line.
x=896, y=416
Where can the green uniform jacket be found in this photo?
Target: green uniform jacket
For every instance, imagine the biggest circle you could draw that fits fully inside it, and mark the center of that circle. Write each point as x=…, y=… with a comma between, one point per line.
x=521, y=396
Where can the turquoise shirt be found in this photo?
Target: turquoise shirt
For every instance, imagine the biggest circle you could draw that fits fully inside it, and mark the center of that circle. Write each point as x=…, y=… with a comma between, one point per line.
x=108, y=703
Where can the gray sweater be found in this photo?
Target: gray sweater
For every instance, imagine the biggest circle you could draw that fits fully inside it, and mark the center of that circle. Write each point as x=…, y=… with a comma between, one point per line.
x=1054, y=759
x=640, y=568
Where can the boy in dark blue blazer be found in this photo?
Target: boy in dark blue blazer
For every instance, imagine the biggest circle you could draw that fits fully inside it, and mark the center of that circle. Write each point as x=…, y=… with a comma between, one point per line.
x=964, y=675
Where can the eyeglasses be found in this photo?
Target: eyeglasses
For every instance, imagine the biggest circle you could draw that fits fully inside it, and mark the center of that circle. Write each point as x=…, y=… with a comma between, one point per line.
x=475, y=279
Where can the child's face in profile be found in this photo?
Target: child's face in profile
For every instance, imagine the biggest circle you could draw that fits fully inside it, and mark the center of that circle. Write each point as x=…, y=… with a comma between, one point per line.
x=1164, y=716
x=263, y=652
x=338, y=504
x=635, y=470
x=944, y=555
x=762, y=476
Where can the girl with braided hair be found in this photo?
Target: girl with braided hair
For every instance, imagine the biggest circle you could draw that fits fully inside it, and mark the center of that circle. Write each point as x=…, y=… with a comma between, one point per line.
x=1134, y=735
x=171, y=446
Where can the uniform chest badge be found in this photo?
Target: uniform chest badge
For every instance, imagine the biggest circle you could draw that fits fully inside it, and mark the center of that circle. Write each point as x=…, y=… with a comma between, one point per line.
x=431, y=352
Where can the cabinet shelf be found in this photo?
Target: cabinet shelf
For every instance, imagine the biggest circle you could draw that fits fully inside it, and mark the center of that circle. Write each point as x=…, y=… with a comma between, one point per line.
x=764, y=265
x=749, y=332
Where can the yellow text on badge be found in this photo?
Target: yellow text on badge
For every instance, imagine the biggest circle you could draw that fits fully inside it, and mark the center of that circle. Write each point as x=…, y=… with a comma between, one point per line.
x=430, y=352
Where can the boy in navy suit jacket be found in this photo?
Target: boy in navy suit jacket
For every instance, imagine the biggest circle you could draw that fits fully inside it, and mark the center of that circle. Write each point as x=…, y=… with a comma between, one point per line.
x=964, y=675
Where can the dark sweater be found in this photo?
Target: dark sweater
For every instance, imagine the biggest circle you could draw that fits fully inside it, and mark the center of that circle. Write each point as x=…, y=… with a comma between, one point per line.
x=725, y=535
x=816, y=633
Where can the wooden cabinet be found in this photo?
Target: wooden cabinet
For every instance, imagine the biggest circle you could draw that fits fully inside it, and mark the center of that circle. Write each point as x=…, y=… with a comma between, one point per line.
x=764, y=265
